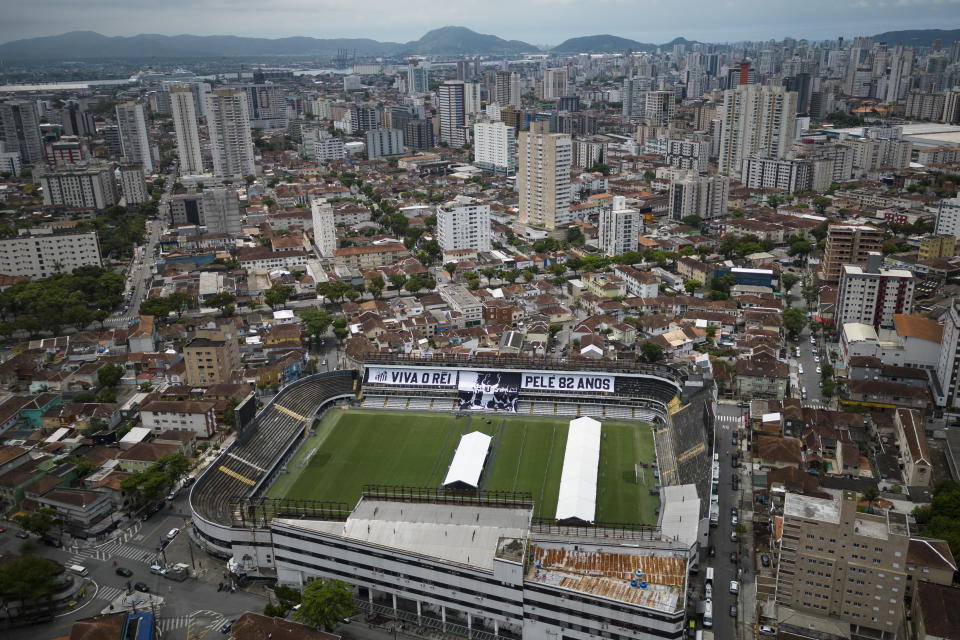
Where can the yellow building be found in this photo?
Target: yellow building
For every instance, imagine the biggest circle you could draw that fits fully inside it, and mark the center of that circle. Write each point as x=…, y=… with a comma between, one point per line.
x=937, y=247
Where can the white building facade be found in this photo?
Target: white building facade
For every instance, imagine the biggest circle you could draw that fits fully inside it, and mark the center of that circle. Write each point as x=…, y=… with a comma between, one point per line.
x=228, y=121
x=464, y=223
x=495, y=147
x=619, y=228
x=133, y=135
x=39, y=255
x=87, y=186
x=871, y=295
x=324, y=228
x=184, y=110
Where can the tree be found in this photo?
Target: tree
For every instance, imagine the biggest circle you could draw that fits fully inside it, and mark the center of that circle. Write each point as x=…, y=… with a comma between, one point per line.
x=109, y=375
x=39, y=522
x=575, y=235
x=316, y=322
x=826, y=371
x=774, y=200
x=828, y=388
x=450, y=268
x=27, y=579
x=889, y=247
x=397, y=280
x=787, y=280
x=820, y=204
x=691, y=286
x=794, y=320
x=324, y=603
x=870, y=494
x=941, y=519
x=277, y=295
x=376, y=286
x=221, y=301
x=692, y=221
x=651, y=351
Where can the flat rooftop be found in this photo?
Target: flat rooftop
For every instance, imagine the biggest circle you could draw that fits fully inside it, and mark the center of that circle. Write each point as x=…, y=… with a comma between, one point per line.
x=811, y=508
x=607, y=574
x=871, y=527
x=468, y=535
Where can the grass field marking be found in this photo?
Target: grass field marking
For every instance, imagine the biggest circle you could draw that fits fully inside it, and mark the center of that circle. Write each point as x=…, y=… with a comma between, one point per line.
x=523, y=440
x=439, y=462
x=546, y=470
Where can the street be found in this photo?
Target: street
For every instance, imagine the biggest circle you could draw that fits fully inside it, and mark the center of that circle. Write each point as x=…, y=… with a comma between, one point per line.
x=729, y=421
x=138, y=277
x=193, y=605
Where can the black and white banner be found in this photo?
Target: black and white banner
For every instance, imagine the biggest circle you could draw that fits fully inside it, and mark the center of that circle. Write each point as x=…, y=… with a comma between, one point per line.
x=539, y=381
x=412, y=377
x=488, y=391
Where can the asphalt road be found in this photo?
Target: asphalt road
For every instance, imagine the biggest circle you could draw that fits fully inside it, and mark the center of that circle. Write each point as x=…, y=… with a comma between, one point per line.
x=139, y=276
x=729, y=420
x=193, y=604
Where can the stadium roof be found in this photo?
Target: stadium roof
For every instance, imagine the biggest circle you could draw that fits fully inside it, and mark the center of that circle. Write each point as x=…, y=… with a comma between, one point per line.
x=578, y=483
x=468, y=460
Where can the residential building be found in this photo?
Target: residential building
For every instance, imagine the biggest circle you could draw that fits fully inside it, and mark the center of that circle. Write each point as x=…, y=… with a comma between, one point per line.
x=495, y=147
x=133, y=135
x=221, y=211
x=872, y=295
x=82, y=513
x=849, y=244
x=196, y=416
x=881, y=153
x=10, y=160
x=619, y=228
x=462, y=300
x=133, y=187
x=370, y=256
x=40, y=253
x=384, y=142
x=228, y=122
x=838, y=562
x=554, y=83
x=266, y=105
x=914, y=450
x=544, y=177
x=185, y=125
x=328, y=147
x=692, y=194
x=507, y=89
x=20, y=129
x=660, y=108
x=756, y=119
x=266, y=259
x=453, y=120
x=768, y=173
x=948, y=217
x=90, y=186
x=417, y=80
x=938, y=246
x=464, y=223
x=640, y=284
x=418, y=134
x=324, y=228
x=948, y=366
x=211, y=357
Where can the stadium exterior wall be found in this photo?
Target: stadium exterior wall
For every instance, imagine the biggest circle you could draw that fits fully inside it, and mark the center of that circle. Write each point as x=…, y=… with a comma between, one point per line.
x=222, y=539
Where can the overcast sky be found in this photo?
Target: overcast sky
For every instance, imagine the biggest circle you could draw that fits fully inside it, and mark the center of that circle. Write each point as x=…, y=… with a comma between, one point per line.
x=534, y=21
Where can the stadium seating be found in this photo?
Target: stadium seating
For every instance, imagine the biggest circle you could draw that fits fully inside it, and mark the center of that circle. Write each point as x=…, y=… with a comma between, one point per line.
x=244, y=465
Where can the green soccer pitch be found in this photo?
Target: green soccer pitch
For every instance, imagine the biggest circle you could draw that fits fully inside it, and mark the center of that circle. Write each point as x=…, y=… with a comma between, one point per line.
x=351, y=448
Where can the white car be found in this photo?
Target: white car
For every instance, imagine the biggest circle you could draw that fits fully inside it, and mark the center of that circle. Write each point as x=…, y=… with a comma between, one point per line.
x=816, y=358
x=818, y=369
x=800, y=369
x=767, y=630
x=734, y=586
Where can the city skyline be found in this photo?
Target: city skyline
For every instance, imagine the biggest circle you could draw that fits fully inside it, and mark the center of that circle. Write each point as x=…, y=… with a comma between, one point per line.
x=541, y=22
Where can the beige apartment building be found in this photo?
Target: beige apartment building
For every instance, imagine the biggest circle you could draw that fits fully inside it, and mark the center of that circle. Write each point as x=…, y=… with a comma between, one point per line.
x=543, y=177
x=212, y=357
x=849, y=244
x=370, y=256
x=848, y=565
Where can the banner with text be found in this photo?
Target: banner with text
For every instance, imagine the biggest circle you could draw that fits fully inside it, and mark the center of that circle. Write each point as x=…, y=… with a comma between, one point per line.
x=578, y=382
x=412, y=377
x=488, y=391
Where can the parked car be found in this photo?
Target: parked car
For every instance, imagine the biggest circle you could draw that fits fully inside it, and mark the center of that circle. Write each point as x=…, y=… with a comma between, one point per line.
x=734, y=586
x=123, y=571
x=736, y=482
x=226, y=626
x=733, y=557
x=733, y=521
x=734, y=462
x=172, y=533
x=157, y=569
x=52, y=542
x=23, y=534
x=767, y=630
x=733, y=611
x=3, y=529
x=142, y=587
x=765, y=560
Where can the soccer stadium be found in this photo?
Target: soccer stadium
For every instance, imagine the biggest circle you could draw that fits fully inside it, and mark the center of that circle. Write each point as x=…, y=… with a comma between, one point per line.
x=557, y=474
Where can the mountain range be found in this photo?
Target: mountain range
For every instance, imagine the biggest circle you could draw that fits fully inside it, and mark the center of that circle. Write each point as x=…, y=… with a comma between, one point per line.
x=77, y=45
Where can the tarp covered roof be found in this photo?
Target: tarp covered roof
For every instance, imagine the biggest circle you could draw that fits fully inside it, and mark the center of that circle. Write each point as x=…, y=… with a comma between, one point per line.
x=468, y=460
x=578, y=483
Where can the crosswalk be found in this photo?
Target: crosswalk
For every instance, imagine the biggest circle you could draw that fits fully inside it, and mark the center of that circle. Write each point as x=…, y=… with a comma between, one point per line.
x=114, y=552
x=736, y=419
x=172, y=624
x=109, y=593
x=211, y=620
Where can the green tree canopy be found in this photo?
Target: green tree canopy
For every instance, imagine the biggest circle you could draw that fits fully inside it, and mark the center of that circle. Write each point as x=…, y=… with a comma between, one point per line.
x=651, y=351
x=277, y=295
x=788, y=280
x=28, y=578
x=109, y=375
x=324, y=603
x=794, y=320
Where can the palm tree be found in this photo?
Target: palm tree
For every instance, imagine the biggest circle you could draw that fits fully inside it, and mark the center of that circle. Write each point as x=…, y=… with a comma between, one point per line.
x=870, y=494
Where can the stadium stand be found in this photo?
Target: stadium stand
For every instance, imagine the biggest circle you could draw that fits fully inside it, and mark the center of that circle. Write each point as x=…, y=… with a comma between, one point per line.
x=242, y=468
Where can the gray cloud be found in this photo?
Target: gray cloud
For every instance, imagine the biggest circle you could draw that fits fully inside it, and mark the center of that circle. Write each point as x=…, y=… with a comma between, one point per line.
x=537, y=21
